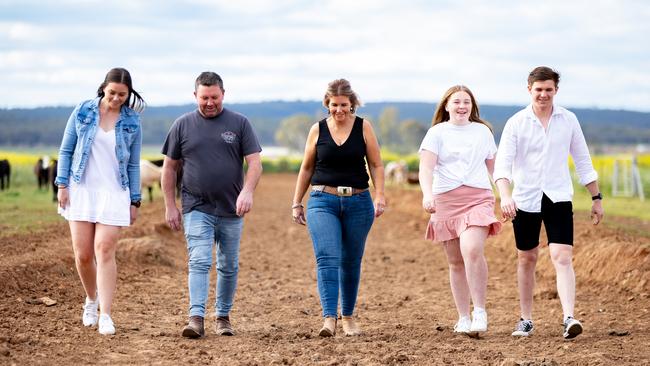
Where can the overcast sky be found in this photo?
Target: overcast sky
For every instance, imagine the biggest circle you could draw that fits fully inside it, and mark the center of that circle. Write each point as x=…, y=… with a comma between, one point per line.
x=57, y=52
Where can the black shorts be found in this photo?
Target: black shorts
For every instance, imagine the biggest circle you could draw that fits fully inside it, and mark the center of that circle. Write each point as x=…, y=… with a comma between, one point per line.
x=558, y=221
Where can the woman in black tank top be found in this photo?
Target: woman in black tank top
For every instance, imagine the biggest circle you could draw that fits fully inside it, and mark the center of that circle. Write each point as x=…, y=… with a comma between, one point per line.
x=340, y=210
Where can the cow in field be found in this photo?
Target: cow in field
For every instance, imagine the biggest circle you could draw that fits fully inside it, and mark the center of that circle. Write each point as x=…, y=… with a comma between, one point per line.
x=42, y=172
x=396, y=172
x=149, y=176
x=179, y=175
x=52, y=176
x=5, y=173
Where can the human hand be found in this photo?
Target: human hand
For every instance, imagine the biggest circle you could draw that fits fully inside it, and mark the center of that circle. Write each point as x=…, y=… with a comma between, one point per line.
x=429, y=205
x=134, y=214
x=173, y=217
x=508, y=208
x=380, y=206
x=298, y=215
x=244, y=203
x=63, y=196
x=597, y=212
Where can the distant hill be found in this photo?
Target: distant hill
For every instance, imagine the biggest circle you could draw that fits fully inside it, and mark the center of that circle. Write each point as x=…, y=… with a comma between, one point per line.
x=44, y=126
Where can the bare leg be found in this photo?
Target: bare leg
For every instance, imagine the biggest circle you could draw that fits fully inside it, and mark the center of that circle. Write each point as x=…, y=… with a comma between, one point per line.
x=105, y=246
x=83, y=234
x=562, y=255
x=526, y=280
x=457, y=279
x=472, y=242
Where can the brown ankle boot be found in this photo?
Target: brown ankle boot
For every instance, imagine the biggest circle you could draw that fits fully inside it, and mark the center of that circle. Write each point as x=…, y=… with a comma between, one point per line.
x=350, y=327
x=194, y=328
x=329, y=327
x=223, y=327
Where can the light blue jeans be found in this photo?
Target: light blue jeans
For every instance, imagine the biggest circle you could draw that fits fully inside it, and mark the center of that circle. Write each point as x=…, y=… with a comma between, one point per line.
x=202, y=231
x=338, y=227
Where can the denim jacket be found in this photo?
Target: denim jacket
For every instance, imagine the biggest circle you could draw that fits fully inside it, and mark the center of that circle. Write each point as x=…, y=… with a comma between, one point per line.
x=78, y=137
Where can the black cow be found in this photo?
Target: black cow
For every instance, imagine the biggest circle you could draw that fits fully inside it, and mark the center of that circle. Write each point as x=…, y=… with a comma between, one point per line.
x=5, y=172
x=42, y=172
x=52, y=176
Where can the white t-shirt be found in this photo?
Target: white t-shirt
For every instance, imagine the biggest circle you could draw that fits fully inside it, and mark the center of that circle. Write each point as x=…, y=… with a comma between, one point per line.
x=461, y=151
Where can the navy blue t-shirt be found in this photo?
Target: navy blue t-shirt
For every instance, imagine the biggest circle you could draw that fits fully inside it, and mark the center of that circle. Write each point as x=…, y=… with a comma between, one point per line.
x=213, y=151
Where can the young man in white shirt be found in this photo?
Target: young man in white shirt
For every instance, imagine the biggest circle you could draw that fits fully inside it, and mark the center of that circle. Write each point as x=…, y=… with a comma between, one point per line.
x=533, y=154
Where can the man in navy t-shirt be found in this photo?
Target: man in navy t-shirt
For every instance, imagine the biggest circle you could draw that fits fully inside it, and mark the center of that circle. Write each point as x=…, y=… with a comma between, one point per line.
x=211, y=144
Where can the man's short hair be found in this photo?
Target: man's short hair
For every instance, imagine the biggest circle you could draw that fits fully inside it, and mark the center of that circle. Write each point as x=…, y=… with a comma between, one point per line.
x=208, y=78
x=543, y=73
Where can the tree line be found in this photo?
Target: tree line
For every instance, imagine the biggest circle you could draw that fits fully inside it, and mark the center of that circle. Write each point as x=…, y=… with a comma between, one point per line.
x=399, y=126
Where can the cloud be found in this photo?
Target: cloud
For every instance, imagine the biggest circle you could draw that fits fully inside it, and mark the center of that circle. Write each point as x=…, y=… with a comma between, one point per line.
x=290, y=49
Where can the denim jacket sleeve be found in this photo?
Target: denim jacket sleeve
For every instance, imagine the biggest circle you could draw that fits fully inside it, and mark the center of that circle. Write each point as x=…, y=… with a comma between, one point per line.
x=68, y=144
x=133, y=167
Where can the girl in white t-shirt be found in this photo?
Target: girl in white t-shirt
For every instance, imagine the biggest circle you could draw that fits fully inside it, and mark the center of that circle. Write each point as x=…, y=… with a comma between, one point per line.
x=456, y=162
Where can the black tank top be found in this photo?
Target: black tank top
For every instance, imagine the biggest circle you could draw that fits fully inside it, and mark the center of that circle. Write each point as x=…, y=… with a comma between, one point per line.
x=343, y=165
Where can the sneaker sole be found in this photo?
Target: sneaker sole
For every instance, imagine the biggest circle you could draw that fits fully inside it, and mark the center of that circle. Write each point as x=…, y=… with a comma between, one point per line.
x=476, y=334
x=573, y=331
x=519, y=333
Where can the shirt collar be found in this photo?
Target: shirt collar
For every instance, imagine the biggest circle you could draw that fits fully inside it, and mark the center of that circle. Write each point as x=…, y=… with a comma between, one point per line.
x=531, y=114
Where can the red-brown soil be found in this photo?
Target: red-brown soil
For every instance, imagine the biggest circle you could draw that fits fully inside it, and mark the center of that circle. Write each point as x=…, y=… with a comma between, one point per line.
x=405, y=305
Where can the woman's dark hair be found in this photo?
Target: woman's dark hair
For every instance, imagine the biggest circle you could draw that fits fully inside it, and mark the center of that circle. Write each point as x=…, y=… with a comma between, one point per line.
x=122, y=76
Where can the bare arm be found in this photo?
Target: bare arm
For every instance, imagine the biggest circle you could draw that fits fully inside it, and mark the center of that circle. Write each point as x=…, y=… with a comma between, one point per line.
x=508, y=205
x=489, y=163
x=168, y=183
x=253, y=174
x=304, y=176
x=375, y=166
x=428, y=162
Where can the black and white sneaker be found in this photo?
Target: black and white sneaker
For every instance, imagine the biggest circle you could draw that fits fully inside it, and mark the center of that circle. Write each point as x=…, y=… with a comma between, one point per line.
x=524, y=328
x=572, y=328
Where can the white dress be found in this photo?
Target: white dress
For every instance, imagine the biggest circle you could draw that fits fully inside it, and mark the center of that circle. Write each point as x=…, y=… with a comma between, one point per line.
x=99, y=197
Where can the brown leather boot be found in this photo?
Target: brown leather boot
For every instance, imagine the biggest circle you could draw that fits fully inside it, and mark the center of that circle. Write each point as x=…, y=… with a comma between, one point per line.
x=223, y=327
x=329, y=327
x=350, y=327
x=194, y=328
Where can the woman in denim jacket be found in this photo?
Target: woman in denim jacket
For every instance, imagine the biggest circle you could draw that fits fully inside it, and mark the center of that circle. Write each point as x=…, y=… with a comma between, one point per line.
x=98, y=177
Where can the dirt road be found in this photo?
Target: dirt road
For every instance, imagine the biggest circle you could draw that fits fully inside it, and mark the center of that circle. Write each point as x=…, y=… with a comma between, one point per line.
x=405, y=305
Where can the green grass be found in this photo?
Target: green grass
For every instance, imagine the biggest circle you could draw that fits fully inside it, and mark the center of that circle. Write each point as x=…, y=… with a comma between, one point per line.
x=25, y=208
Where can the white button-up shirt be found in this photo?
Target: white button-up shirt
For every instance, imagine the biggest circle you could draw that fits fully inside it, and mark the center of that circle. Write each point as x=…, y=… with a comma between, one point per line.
x=537, y=160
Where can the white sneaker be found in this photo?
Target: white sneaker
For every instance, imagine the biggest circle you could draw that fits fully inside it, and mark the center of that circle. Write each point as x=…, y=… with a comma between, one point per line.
x=463, y=325
x=89, y=317
x=479, y=323
x=106, y=326
x=572, y=328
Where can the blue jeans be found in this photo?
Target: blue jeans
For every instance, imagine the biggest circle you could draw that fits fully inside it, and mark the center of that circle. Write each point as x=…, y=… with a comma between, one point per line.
x=338, y=227
x=201, y=232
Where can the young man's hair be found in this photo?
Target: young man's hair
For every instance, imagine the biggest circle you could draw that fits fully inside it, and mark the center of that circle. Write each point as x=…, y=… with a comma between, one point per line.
x=543, y=73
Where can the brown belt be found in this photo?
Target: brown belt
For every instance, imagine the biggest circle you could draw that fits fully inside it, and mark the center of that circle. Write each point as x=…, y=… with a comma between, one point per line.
x=339, y=191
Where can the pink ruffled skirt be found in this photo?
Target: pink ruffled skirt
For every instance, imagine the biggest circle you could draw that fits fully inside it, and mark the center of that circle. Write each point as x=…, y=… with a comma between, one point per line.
x=459, y=209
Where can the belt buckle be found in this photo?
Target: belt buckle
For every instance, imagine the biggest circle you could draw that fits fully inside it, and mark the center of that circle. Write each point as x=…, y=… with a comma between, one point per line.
x=344, y=191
